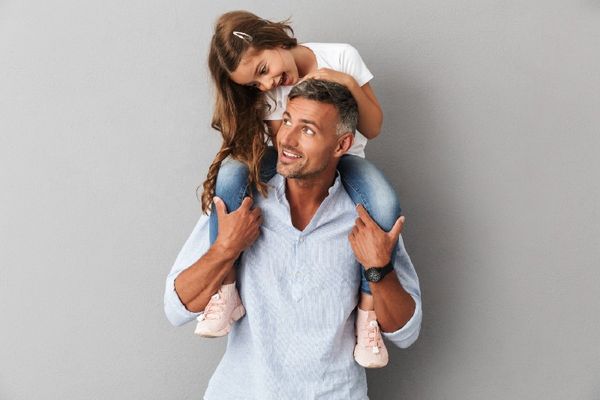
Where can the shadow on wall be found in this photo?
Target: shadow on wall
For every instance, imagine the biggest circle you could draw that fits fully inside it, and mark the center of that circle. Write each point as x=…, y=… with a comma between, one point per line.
x=408, y=152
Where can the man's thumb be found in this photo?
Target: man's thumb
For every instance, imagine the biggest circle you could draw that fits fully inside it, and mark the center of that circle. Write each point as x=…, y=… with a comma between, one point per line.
x=397, y=228
x=220, y=206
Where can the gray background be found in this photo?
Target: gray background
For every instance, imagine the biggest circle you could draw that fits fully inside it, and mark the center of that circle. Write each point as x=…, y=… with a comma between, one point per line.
x=492, y=115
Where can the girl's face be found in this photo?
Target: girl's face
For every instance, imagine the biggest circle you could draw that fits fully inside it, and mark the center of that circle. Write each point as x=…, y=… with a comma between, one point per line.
x=266, y=69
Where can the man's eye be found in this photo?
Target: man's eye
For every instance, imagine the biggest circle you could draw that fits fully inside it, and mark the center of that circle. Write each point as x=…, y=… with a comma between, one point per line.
x=287, y=122
x=309, y=131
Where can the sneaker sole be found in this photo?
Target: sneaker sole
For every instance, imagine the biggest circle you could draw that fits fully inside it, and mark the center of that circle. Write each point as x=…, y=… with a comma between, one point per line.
x=368, y=365
x=237, y=313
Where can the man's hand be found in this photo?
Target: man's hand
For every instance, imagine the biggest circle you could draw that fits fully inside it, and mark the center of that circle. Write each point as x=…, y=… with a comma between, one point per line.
x=372, y=245
x=239, y=229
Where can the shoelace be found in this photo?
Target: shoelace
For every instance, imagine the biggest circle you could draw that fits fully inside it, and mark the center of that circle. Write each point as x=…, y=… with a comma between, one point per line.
x=214, y=306
x=373, y=337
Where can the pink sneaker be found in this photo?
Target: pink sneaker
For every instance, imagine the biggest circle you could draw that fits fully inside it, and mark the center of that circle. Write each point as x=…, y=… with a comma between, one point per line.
x=370, y=351
x=222, y=310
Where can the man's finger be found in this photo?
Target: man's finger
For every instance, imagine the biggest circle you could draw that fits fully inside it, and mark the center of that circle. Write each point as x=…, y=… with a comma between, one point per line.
x=364, y=215
x=256, y=212
x=397, y=228
x=359, y=222
x=246, y=203
x=255, y=232
x=220, y=206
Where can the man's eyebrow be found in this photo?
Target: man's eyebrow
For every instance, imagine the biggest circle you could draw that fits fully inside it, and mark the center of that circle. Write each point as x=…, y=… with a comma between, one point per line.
x=303, y=120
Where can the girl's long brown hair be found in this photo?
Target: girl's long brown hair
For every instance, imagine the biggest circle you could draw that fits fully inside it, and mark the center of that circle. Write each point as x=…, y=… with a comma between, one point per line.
x=240, y=110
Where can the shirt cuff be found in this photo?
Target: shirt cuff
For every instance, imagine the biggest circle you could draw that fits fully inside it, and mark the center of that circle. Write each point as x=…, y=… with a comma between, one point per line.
x=408, y=334
x=175, y=311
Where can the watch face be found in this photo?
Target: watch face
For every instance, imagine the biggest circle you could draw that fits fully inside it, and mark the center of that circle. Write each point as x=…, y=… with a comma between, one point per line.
x=373, y=275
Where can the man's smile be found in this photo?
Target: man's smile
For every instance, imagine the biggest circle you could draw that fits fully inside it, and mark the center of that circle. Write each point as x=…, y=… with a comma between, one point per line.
x=290, y=155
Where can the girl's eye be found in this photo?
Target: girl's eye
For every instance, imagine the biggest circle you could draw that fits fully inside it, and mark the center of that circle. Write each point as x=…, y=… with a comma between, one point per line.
x=263, y=70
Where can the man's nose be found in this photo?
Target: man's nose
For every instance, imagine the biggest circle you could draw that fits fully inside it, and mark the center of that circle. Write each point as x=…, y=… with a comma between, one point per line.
x=288, y=136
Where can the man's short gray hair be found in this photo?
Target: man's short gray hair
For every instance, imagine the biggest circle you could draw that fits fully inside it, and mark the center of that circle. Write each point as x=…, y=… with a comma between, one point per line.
x=330, y=93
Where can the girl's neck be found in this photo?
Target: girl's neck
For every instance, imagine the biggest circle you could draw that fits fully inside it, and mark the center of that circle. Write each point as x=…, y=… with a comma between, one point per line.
x=305, y=60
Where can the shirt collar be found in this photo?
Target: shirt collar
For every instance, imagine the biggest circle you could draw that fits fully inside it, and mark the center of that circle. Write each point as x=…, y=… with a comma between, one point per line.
x=278, y=185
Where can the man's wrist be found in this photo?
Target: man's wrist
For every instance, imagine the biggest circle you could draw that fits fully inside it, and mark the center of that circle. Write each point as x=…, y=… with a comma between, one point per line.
x=227, y=252
x=376, y=274
x=378, y=263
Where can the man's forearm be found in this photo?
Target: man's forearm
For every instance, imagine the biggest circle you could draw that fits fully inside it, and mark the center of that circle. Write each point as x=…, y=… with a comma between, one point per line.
x=394, y=306
x=196, y=284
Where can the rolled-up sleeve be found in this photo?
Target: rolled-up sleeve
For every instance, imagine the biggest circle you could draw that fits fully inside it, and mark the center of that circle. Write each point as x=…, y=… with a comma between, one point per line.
x=194, y=248
x=409, y=280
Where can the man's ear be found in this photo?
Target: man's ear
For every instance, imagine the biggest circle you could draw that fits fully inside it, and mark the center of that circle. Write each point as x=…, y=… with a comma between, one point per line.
x=344, y=143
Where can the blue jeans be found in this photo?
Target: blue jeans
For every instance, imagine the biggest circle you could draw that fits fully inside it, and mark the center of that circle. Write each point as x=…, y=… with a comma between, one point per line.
x=363, y=182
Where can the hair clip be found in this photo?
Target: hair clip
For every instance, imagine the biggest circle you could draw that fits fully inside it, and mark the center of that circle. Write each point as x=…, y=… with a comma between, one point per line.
x=243, y=36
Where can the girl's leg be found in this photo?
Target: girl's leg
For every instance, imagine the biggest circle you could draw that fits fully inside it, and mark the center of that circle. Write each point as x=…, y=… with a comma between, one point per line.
x=232, y=185
x=366, y=185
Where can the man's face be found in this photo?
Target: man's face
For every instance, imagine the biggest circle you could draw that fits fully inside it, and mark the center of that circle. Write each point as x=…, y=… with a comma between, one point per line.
x=307, y=142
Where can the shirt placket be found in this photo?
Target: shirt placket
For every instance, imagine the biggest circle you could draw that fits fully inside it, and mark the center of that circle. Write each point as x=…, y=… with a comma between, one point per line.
x=298, y=268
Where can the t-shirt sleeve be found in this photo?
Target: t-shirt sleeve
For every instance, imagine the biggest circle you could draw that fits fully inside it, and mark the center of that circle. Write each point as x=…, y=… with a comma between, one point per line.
x=353, y=64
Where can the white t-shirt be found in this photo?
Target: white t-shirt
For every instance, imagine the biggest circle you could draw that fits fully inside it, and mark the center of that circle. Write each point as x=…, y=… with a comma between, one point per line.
x=339, y=57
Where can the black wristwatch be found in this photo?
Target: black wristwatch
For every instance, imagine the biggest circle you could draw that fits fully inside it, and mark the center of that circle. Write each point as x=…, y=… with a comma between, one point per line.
x=375, y=274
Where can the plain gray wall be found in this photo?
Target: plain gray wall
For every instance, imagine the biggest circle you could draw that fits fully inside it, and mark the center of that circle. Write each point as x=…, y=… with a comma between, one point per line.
x=491, y=137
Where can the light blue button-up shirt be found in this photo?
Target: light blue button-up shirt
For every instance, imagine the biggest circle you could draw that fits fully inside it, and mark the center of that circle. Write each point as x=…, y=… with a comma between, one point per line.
x=300, y=290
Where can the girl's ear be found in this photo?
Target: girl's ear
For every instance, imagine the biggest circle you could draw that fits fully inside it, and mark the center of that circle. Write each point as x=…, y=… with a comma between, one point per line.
x=344, y=143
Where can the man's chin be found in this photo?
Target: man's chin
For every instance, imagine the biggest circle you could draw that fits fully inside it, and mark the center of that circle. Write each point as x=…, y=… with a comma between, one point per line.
x=287, y=171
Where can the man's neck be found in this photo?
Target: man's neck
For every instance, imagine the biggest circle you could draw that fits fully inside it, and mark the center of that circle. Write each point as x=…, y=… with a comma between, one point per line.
x=305, y=196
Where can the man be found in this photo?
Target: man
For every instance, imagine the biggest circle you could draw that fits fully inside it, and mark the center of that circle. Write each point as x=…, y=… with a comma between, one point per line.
x=298, y=275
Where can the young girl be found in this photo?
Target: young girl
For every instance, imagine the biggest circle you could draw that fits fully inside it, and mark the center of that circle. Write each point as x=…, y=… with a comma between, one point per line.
x=254, y=64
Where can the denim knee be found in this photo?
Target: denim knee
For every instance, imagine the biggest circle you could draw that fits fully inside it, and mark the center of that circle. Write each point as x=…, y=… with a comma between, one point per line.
x=231, y=187
x=232, y=183
x=368, y=186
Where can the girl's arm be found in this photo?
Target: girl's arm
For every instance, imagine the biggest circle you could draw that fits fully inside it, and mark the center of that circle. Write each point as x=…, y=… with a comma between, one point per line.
x=370, y=116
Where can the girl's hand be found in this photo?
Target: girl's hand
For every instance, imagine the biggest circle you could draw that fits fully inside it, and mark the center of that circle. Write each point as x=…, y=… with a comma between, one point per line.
x=331, y=75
